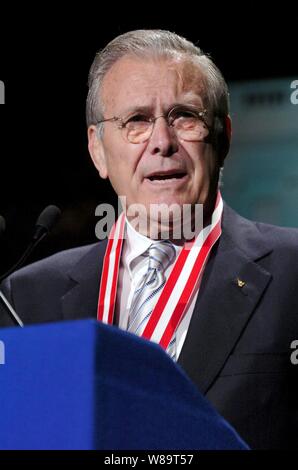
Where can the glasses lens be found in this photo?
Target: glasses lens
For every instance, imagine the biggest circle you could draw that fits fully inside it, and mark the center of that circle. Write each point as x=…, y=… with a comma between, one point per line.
x=189, y=125
x=138, y=132
x=195, y=131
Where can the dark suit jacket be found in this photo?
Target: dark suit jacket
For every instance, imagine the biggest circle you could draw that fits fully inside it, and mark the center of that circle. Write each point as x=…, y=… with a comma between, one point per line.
x=237, y=350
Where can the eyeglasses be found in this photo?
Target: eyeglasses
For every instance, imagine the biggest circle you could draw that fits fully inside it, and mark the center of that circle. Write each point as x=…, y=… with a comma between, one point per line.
x=189, y=124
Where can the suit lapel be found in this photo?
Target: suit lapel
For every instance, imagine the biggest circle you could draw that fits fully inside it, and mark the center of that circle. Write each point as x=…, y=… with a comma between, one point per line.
x=80, y=300
x=224, y=304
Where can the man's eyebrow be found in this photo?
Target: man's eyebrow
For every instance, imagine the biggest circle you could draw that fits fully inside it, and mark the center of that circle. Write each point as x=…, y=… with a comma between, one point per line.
x=194, y=101
x=137, y=109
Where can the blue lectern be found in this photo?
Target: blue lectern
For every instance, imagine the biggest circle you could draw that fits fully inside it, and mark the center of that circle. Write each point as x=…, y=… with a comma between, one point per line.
x=85, y=385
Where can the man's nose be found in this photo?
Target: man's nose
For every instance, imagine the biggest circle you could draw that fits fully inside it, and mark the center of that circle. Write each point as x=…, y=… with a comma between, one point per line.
x=163, y=140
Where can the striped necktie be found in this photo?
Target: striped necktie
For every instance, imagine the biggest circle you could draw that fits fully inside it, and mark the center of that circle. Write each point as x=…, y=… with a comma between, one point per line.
x=159, y=256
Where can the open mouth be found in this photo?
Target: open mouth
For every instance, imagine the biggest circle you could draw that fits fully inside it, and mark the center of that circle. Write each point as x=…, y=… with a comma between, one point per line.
x=166, y=176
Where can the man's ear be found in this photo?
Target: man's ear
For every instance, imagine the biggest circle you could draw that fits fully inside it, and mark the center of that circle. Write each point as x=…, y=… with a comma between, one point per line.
x=97, y=152
x=229, y=128
x=223, y=133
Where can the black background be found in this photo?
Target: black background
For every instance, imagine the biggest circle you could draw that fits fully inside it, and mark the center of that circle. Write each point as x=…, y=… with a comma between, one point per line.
x=45, y=55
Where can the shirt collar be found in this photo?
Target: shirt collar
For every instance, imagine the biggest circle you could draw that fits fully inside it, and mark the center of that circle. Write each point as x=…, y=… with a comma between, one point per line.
x=136, y=245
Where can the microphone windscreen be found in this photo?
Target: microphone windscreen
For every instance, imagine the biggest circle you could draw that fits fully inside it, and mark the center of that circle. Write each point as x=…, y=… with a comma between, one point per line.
x=48, y=217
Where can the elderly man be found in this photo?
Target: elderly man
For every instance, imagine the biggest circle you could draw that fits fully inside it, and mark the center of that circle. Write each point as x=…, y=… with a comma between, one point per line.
x=222, y=303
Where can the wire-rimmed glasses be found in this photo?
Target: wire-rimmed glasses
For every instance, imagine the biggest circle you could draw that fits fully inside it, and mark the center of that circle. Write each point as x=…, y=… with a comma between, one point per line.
x=188, y=123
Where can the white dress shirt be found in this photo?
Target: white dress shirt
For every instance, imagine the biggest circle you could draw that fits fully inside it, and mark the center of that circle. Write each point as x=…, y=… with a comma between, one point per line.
x=132, y=267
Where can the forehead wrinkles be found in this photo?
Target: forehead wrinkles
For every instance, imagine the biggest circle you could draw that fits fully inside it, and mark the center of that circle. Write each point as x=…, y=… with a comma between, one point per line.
x=130, y=77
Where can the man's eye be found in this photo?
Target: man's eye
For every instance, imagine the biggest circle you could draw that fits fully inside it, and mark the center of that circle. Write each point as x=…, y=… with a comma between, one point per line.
x=184, y=113
x=137, y=118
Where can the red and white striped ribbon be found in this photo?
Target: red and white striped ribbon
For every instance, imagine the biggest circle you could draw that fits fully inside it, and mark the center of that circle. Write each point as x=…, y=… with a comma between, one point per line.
x=185, y=277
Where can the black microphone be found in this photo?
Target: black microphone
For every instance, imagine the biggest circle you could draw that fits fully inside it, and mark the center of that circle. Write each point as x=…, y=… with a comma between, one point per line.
x=46, y=222
x=43, y=226
x=2, y=225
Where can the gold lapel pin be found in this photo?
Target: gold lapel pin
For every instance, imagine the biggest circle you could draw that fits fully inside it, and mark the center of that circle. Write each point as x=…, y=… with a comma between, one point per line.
x=240, y=283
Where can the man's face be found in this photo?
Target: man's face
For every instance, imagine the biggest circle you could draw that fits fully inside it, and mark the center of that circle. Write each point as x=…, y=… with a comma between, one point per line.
x=157, y=86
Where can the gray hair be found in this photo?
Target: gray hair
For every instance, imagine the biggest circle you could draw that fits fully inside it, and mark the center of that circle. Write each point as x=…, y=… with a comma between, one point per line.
x=158, y=44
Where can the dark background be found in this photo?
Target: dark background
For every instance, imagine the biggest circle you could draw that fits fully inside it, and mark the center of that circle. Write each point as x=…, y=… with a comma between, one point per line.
x=45, y=55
